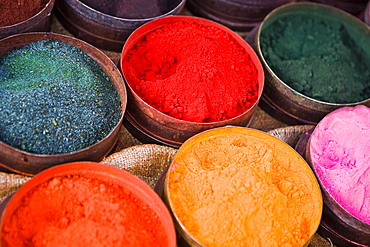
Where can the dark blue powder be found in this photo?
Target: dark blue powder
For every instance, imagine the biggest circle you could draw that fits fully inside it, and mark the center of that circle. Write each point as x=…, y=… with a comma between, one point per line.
x=54, y=99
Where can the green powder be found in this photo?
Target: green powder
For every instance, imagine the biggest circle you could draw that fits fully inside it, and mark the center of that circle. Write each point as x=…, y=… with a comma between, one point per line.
x=54, y=99
x=317, y=58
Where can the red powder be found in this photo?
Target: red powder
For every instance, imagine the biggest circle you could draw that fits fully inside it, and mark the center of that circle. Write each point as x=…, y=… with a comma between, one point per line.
x=192, y=72
x=82, y=211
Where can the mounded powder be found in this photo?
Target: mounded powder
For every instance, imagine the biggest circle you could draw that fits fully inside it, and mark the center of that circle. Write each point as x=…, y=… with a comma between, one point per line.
x=17, y=11
x=339, y=150
x=318, y=56
x=235, y=186
x=133, y=9
x=192, y=71
x=55, y=99
x=83, y=211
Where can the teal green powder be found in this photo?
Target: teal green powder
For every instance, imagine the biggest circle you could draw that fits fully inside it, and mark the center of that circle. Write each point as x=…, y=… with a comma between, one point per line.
x=317, y=58
x=54, y=99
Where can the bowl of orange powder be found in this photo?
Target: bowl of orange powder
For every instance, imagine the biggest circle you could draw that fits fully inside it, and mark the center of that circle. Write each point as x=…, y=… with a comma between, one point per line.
x=87, y=204
x=235, y=186
x=185, y=75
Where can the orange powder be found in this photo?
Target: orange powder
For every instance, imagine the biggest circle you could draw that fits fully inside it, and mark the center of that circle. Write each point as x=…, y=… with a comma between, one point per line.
x=235, y=186
x=82, y=211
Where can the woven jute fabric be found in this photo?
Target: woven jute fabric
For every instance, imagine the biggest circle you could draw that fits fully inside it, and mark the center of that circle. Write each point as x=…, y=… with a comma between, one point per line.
x=146, y=161
x=10, y=183
x=290, y=134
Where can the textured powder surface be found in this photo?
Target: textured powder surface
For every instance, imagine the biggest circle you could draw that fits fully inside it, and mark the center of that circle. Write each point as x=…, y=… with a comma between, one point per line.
x=16, y=11
x=133, y=9
x=242, y=187
x=82, y=211
x=318, y=58
x=192, y=72
x=52, y=92
x=340, y=155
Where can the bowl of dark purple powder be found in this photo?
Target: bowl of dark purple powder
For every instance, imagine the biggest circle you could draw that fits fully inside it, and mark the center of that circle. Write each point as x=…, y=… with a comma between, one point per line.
x=61, y=100
x=107, y=25
x=19, y=16
x=241, y=15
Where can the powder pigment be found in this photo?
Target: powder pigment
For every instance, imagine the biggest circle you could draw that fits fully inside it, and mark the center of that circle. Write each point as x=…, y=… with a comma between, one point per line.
x=340, y=154
x=193, y=72
x=16, y=11
x=54, y=99
x=82, y=211
x=235, y=186
x=133, y=9
x=318, y=58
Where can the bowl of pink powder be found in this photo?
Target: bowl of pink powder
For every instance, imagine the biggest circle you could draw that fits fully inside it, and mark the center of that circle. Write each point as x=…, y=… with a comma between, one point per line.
x=188, y=74
x=338, y=150
x=87, y=204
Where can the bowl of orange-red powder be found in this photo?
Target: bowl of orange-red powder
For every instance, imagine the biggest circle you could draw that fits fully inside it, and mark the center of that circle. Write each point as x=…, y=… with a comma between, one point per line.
x=235, y=186
x=86, y=204
x=185, y=75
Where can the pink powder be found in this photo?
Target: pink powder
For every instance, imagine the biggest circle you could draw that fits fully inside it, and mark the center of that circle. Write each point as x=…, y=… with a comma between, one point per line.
x=340, y=155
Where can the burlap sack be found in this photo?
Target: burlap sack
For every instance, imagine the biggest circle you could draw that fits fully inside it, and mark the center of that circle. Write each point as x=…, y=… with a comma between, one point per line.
x=147, y=161
x=10, y=183
x=290, y=134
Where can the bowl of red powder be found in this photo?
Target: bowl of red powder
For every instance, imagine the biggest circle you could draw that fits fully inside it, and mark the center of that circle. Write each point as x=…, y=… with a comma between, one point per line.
x=107, y=25
x=87, y=204
x=19, y=16
x=316, y=59
x=62, y=100
x=188, y=74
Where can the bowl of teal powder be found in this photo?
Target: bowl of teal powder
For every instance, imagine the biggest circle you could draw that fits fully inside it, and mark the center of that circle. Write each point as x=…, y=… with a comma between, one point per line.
x=316, y=59
x=61, y=100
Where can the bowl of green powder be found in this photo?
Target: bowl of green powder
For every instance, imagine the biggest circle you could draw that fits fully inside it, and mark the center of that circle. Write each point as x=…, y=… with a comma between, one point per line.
x=61, y=100
x=316, y=59
x=187, y=74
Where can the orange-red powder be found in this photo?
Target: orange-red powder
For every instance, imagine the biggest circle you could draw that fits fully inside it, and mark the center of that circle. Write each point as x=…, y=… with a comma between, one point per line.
x=82, y=211
x=192, y=72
